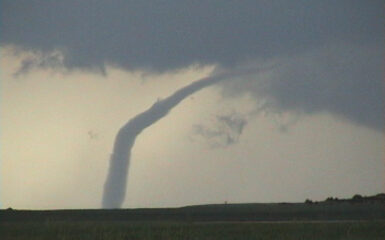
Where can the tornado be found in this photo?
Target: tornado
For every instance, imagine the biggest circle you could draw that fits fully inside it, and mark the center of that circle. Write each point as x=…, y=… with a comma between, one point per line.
x=115, y=185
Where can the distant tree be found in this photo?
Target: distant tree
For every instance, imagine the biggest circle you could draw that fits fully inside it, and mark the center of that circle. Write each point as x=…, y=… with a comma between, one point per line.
x=329, y=199
x=357, y=197
x=380, y=196
x=308, y=201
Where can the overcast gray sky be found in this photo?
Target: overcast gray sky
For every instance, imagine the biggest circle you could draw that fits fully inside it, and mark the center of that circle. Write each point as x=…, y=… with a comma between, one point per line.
x=308, y=123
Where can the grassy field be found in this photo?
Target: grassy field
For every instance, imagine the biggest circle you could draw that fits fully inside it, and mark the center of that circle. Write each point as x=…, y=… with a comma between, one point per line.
x=360, y=230
x=359, y=218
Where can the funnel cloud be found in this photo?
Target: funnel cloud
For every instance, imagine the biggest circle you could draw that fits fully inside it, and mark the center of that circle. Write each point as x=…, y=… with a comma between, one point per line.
x=115, y=185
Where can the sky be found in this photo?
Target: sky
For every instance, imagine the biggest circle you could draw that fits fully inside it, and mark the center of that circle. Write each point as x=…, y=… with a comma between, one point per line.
x=306, y=121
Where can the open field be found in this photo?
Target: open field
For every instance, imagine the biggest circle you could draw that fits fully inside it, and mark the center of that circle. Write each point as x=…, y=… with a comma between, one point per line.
x=323, y=211
x=332, y=219
x=365, y=230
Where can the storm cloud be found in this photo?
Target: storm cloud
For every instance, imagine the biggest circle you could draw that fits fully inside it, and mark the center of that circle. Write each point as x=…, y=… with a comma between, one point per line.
x=345, y=80
x=328, y=54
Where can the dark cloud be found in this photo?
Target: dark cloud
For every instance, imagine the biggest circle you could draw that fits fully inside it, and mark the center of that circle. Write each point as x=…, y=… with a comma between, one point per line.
x=346, y=80
x=48, y=60
x=169, y=34
x=329, y=52
x=226, y=130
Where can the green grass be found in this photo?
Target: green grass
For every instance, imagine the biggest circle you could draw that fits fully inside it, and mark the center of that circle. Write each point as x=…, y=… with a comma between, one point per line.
x=364, y=230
